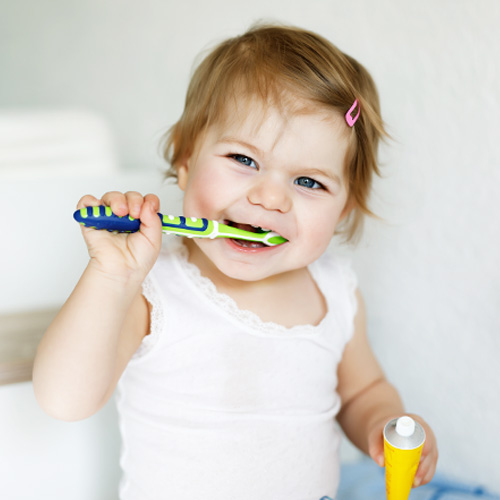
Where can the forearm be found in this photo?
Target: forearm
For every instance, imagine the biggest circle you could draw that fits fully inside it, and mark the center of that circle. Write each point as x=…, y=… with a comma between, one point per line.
x=75, y=361
x=374, y=406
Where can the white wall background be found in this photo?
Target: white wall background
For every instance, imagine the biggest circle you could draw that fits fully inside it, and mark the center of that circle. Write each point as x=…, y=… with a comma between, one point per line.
x=429, y=271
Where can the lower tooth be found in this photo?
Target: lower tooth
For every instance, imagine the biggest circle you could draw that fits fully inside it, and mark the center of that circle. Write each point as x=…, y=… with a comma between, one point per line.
x=249, y=244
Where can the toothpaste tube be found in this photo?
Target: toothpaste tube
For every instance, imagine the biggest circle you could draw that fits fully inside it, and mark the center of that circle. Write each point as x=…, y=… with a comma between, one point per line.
x=403, y=442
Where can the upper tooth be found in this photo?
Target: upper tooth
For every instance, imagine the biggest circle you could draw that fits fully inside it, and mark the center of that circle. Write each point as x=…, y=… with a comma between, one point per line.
x=260, y=228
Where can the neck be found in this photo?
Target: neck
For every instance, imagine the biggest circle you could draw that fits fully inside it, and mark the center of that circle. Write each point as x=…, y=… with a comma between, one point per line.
x=288, y=299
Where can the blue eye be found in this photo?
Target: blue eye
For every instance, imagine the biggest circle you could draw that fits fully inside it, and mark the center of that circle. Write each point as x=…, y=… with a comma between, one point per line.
x=307, y=182
x=244, y=160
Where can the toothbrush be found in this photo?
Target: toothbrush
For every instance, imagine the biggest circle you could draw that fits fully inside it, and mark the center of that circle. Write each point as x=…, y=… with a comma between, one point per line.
x=102, y=217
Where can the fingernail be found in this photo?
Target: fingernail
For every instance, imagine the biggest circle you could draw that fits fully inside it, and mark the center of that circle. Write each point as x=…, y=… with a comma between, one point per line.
x=416, y=482
x=380, y=460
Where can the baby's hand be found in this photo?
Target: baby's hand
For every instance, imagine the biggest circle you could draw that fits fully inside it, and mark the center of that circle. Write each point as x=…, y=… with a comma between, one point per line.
x=428, y=460
x=125, y=256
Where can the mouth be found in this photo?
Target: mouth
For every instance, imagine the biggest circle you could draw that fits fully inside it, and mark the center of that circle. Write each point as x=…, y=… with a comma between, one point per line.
x=250, y=228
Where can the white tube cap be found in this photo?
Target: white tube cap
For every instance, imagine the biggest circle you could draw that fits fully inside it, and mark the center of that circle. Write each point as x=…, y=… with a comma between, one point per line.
x=405, y=426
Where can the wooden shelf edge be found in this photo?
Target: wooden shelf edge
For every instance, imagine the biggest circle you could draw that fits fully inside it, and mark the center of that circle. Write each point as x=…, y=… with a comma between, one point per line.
x=15, y=372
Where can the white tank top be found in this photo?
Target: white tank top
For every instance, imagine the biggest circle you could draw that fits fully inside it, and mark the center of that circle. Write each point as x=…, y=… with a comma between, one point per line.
x=218, y=405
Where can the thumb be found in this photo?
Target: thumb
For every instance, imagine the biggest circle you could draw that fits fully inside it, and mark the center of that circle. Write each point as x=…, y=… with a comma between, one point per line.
x=151, y=226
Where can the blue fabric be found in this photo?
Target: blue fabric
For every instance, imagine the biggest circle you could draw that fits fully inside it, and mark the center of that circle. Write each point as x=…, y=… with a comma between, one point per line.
x=365, y=480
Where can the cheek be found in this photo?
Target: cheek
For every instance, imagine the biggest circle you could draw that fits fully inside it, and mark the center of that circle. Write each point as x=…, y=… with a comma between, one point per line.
x=319, y=229
x=320, y=239
x=203, y=191
x=196, y=203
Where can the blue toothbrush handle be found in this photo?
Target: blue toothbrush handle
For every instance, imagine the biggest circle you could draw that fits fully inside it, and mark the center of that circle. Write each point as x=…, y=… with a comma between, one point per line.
x=103, y=218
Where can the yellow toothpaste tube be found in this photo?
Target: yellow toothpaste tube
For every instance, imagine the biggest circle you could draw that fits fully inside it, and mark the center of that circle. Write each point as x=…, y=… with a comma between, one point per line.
x=403, y=442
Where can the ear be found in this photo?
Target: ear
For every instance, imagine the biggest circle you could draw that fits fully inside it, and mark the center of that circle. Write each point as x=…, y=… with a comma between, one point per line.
x=182, y=175
x=349, y=206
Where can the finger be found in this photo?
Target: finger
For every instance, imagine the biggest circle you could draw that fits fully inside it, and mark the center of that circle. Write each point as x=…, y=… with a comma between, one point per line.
x=376, y=448
x=425, y=471
x=135, y=201
x=88, y=201
x=117, y=201
x=429, y=474
x=154, y=200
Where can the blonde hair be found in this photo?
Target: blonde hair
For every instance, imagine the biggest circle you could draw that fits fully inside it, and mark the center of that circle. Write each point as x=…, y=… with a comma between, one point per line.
x=272, y=63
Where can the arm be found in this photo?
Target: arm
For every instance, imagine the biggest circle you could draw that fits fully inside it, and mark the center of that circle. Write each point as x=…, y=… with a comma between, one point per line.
x=88, y=345
x=370, y=401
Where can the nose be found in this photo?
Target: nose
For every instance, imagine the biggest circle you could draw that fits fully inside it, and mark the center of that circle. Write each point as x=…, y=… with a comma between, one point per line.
x=271, y=194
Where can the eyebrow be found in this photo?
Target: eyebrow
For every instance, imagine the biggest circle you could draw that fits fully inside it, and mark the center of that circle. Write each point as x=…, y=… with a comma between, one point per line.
x=305, y=171
x=234, y=140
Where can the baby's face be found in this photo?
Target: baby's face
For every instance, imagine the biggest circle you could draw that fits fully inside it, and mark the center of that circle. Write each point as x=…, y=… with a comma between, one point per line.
x=286, y=175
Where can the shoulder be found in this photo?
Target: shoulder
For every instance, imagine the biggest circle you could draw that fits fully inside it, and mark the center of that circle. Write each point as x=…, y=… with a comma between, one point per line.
x=160, y=289
x=338, y=281
x=333, y=264
x=336, y=262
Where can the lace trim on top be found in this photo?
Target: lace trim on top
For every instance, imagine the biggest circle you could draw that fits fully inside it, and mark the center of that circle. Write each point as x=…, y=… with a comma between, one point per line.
x=152, y=295
x=229, y=306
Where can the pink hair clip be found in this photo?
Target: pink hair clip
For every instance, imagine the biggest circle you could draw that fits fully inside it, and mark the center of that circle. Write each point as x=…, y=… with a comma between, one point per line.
x=348, y=116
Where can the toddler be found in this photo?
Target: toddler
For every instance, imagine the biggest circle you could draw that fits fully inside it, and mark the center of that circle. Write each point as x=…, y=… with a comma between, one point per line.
x=236, y=363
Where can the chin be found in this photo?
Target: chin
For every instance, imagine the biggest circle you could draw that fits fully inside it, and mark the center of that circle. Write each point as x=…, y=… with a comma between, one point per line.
x=240, y=273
